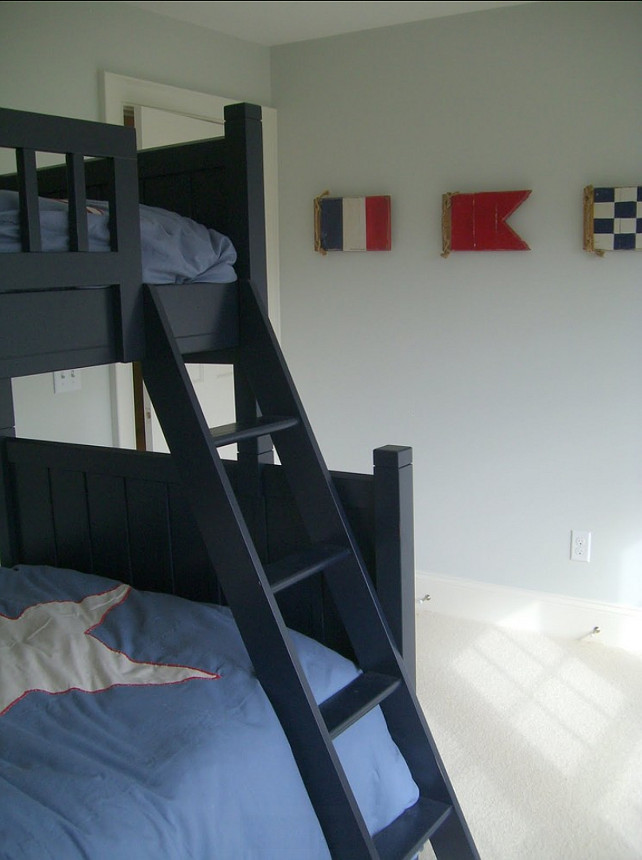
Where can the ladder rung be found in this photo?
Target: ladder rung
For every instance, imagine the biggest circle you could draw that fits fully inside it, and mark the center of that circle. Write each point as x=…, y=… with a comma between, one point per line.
x=406, y=835
x=354, y=701
x=227, y=434
x=293, y=568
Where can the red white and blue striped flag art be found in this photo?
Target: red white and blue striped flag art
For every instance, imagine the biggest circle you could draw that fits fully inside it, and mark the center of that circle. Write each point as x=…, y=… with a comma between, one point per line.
x=352, y=223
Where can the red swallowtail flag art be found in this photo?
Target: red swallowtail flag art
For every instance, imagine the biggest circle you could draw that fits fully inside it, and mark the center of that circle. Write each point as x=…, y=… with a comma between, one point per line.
x=477, y=222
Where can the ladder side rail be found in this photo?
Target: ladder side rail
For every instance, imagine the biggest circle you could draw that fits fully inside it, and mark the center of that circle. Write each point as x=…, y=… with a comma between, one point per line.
x=263, y=365
x=350, y=585
x=394, y=572
x=314, y=492
x=246, y=589
x=453, y=840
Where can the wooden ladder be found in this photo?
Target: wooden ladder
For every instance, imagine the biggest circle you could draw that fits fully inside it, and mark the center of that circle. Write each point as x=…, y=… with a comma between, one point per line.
x=250, y=588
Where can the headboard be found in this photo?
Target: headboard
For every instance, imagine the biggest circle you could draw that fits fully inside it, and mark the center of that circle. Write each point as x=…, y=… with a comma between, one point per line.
x=218, y=183
x=121, y=513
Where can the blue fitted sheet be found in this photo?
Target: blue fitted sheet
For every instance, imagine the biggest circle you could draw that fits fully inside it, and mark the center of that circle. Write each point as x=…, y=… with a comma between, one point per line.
x=144, y=770
x=175, y=250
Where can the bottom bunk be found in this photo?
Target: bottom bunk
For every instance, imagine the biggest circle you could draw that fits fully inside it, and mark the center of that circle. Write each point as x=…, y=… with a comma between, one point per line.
x=164, y=743
x=151, y=533
x=141, y=730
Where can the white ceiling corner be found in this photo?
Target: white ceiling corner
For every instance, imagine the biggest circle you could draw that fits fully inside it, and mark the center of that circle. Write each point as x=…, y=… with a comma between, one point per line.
x=284, y=21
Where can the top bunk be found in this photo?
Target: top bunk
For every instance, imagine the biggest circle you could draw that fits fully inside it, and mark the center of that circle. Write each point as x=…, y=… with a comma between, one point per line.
x=78, y=241
x=76, y=307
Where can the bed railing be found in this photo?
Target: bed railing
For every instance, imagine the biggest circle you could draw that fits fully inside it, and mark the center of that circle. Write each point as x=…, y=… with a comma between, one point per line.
x=32, y=270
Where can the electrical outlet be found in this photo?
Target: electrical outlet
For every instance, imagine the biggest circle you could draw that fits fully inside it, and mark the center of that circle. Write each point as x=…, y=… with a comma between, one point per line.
x=580, y=546
x=66, y=380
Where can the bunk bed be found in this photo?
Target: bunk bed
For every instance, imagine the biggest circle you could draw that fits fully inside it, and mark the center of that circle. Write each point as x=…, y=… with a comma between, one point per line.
x=224, y=605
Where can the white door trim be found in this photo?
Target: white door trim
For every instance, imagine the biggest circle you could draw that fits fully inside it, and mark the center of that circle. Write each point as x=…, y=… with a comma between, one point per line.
x=119, y=91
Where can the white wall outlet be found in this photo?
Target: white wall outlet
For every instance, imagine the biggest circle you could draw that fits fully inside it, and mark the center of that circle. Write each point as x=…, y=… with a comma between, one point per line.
x=66, y=380
x=580, y=546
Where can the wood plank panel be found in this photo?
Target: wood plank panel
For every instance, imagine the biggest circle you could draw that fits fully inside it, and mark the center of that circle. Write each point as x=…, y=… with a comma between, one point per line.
x=150, y=543
x=194, y=577
x=109, y=526
x=71, y=520
x=34, y=514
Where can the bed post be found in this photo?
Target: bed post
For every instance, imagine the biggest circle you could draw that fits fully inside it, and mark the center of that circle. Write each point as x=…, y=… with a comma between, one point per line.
x=244, y=177
x=7, y=420
x=395, y=551
x=246, y=228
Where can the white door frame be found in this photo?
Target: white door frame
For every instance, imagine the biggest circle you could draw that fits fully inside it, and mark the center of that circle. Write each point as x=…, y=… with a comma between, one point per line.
x=118, y=92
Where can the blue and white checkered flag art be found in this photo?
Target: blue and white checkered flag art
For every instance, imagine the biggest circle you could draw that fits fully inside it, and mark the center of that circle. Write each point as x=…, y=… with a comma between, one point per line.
x=612, y=219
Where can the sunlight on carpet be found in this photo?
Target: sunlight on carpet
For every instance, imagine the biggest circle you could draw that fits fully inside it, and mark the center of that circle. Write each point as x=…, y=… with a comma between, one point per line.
x=542, y=739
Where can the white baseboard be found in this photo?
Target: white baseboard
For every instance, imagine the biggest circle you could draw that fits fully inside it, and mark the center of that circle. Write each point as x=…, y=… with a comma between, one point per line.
x=550, y=614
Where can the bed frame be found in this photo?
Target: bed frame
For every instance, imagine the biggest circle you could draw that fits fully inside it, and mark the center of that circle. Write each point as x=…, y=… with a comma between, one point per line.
x=216, y=182
x=131, y=515
x=219, y=181
x=123, y=514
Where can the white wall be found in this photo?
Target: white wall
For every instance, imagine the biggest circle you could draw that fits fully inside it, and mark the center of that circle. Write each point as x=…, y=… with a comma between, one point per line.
x=51, y=55
x=515, y=376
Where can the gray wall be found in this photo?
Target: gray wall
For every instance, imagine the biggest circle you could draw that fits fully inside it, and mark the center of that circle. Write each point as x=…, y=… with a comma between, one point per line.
x=50, y=58
x=51, y=53
x=515, y=376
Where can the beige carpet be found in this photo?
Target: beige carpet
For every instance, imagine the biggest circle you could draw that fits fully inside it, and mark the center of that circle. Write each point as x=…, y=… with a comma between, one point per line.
x=542, y=739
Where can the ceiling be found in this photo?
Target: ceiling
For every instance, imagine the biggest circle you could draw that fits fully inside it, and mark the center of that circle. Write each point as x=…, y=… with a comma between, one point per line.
x=277, y=23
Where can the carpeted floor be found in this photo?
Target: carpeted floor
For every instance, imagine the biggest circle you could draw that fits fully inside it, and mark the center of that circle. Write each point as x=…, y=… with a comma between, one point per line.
x=542, y=739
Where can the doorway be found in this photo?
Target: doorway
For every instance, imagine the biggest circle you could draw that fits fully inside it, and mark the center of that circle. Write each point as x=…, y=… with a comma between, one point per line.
x=164, y=115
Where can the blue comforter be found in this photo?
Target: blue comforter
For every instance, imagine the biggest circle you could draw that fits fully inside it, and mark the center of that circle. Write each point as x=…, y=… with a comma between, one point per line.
x=132, y=727
x=175, y=250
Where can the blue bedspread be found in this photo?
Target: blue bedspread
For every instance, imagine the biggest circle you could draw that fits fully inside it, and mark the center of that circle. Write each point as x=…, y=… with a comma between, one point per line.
x=166, y=748
x=175, y=250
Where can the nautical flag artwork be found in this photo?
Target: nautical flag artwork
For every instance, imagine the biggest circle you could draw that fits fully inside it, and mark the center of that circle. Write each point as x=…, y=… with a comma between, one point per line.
x=352, y=223
x=612, y=218
x=477, y=222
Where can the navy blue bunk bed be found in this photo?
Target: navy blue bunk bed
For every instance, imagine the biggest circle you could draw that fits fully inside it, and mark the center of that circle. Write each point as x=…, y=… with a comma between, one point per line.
x=205, y=654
